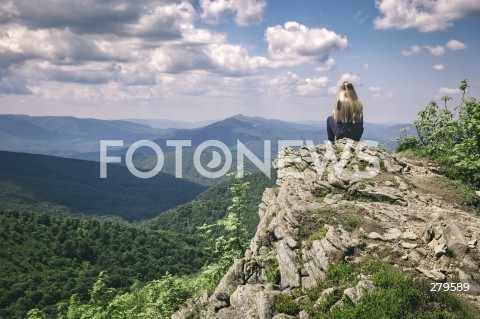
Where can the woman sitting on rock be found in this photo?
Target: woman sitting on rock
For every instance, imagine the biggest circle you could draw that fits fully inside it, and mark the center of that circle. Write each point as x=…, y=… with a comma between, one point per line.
x=347, y=119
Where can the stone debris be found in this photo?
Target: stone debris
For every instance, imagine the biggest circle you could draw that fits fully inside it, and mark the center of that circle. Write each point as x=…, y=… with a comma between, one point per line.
x=375, y=236
x=355, y=294
x=409, y=245
x=434, y=274
x=409, y=235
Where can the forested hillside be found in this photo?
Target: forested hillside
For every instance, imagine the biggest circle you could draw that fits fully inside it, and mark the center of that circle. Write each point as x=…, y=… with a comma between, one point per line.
x=211, y=206
x=47, y=258
x=55, y=184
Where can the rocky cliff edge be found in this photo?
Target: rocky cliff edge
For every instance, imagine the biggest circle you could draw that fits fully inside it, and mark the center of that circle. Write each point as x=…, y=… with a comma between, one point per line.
x=344, y=203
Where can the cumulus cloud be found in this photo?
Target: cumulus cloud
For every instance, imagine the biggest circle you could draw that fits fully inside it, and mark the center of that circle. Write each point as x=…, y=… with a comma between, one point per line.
x=439, y=67
x=352, y=78
x=164, y=22
x=375, y=89
x=290, y=83
x=328, y=65
x=455, y=45
x=448, y=91
x=245, y=12
x=234, y=59
x=18, y=43
x=85, y=16
x=414, y=50
x=377, y=92
x=424, y=15
x=124, y=50
x=294, y=43
x=438, y=50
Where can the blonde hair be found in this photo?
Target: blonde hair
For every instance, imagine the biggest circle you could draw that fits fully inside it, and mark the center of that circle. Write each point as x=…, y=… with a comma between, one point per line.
x=348, y=108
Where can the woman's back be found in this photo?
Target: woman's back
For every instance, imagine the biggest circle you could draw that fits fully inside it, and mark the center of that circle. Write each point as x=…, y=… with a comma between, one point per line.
x=347, y=119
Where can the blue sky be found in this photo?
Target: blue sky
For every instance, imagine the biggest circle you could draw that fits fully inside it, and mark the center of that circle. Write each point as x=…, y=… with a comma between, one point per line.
x=204, y=60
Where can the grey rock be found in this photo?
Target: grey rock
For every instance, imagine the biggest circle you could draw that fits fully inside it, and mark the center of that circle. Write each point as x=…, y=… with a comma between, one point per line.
x=439, y=250
x=459, y=249
x=468, y=263
x=289, y=266
x=409, y=245
x=409, y=235
x=324, y=295
x=392, y=233
x=228, y=284
x=433, y=274
x=355, y=294
x=414, y=256
x=472, y=243
x=375, y=235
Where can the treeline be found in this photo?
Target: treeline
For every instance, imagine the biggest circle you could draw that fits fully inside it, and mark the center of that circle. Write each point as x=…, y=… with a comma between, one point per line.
x=212, y=205
x=47, y=258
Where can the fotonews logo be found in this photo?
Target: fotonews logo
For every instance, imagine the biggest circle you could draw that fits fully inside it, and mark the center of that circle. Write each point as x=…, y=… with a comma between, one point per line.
x=221, y=153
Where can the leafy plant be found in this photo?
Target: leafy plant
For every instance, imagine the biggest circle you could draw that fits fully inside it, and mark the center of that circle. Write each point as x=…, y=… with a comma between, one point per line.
x=450, y=137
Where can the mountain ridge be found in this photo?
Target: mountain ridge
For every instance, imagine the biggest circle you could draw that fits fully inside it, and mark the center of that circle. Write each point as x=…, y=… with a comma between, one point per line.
x=57, y=184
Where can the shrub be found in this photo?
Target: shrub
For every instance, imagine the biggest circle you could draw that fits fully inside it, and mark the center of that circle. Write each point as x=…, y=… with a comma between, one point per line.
x=450, y=137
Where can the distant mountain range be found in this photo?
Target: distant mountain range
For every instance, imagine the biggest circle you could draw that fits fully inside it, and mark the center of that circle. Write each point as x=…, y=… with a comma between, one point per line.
x=60, y=185
x=79, y=138
x=169, y=124
x=66, y=136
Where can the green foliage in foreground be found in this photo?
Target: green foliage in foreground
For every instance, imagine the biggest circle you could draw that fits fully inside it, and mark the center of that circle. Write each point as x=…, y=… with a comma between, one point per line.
x=47, y=258
x=161, y=298
x=397, y=295
x=449, y=136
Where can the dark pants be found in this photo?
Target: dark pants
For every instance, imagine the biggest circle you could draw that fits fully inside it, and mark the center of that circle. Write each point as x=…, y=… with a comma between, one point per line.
x=340, y=130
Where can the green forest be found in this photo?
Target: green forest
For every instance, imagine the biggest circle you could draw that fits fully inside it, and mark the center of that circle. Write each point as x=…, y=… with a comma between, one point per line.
x=46, y=258
x=49, y=257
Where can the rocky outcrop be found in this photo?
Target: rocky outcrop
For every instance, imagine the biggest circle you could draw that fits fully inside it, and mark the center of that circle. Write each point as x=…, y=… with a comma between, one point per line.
x=344, y=202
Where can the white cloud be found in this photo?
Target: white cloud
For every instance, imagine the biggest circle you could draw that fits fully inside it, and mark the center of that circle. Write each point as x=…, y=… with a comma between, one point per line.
x=329, y=64
x=246, y=12
x=17, y=44
x=455, y=45
x=366, y=66
x=378, y=93
x=424, y=15
x=352, y=78
x=234, y=59
x=448, y=91
x=414, y=50
x=8, y=10
x=165, y=21
x=439, y=67
x=289, y=83
x=376, y=90
x=438, y=50
x=294, y=44
x=313, y=86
